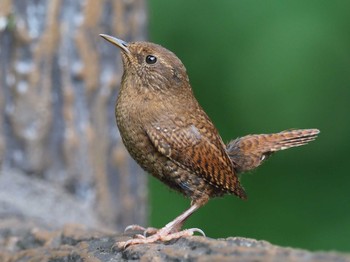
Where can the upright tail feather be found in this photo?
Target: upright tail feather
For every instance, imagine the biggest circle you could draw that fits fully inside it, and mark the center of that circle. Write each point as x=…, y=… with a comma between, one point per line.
x=248, y=152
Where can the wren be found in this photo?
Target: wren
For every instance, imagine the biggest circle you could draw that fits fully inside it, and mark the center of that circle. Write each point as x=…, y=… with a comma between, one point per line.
x=171, y=137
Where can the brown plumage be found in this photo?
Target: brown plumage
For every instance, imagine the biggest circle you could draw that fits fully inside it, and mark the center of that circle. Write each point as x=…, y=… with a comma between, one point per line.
x=250, y=151
x=170, y=136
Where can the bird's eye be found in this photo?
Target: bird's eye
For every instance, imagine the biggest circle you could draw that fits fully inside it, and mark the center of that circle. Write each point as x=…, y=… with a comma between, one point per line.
x=151, y=59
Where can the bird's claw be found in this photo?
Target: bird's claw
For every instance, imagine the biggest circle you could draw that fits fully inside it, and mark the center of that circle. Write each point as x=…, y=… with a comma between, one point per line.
x=198, y=230
x=146, y=231
x=134, y=227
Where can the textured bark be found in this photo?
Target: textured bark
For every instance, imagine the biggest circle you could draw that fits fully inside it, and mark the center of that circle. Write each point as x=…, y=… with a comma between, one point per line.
x=59, y=83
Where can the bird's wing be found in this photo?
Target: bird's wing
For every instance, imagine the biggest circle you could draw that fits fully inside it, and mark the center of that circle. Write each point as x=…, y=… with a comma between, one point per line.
x=198, y=150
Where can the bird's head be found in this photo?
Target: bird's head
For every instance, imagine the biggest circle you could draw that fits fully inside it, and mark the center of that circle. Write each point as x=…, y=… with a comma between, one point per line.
x=151, y=66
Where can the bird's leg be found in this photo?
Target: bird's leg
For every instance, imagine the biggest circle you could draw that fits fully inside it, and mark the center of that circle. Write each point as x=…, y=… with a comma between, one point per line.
x=169, y=231
x=175, y=225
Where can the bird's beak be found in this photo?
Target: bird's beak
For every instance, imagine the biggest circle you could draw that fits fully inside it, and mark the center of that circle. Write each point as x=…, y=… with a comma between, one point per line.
x=115, y=41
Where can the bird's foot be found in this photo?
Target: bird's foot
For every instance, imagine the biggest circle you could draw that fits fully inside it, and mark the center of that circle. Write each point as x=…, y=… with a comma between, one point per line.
x=164, y=234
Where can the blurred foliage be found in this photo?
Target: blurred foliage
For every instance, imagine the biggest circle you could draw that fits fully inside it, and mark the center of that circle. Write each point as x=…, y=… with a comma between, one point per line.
x=261, y=67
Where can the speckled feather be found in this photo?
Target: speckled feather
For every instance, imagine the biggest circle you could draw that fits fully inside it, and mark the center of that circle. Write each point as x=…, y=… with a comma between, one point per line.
x=196, y=147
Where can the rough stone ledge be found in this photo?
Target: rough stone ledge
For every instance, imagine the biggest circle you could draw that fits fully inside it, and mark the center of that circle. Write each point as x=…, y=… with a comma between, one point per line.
x=77, y=243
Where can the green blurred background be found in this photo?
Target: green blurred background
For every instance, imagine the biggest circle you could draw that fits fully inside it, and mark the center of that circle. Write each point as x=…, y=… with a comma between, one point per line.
x=261, y=67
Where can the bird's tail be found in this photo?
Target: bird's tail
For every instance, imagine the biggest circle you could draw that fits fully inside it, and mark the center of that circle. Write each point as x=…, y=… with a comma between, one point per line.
x=248, y=152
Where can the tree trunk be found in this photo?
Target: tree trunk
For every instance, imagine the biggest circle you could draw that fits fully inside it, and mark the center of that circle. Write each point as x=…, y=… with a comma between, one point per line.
x=58, y=135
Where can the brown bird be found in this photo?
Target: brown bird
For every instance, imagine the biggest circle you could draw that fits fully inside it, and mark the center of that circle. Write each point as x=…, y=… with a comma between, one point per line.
x=171, y=137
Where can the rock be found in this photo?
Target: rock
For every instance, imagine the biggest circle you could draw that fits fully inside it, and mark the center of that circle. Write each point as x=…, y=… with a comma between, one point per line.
x=78, y=243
